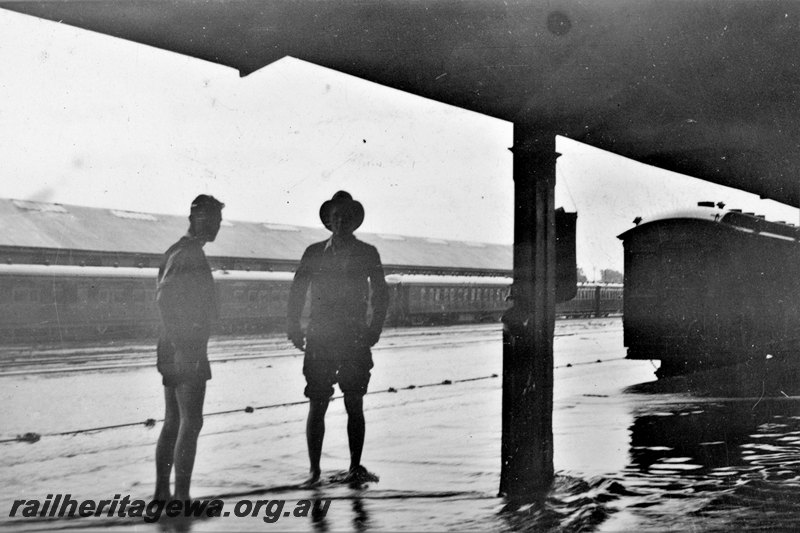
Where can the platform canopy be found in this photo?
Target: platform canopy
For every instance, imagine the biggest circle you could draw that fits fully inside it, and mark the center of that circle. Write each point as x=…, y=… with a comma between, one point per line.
x=707, y=88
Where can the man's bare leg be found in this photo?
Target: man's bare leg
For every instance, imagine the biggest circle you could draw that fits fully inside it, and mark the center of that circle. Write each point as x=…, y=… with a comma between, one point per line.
x=356, y=427
x=190, y=398
x=165, y=448
x=315, y=434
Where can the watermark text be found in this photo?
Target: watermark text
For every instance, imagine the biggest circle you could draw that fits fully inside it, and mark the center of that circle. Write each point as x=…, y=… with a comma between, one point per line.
x=65, y=506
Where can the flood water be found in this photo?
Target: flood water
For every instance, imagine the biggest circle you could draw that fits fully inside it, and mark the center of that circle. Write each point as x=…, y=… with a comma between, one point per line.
x=625, y=460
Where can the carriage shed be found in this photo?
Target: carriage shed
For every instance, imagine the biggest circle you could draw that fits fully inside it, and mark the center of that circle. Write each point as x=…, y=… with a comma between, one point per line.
x=58, y=234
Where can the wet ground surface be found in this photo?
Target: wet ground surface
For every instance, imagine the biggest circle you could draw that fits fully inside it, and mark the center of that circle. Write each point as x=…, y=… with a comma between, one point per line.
x=626, y=460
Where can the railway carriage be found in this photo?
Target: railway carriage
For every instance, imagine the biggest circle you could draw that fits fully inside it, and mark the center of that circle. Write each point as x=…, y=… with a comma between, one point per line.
x=711, y=287
x=72, y=302
x=425, y=300
x=252, y=301
x=42, y=303
x=593, y=300
x=65, y=302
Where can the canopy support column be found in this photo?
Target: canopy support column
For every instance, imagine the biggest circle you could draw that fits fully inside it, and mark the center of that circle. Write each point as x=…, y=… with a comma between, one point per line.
x=527, y=442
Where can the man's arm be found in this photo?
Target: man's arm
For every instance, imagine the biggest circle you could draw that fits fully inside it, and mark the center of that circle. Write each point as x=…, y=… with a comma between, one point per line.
x=297, y=300
x=380, y=299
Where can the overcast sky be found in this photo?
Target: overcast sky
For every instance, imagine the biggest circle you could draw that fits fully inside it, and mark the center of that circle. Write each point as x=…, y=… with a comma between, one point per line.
x=92, y=120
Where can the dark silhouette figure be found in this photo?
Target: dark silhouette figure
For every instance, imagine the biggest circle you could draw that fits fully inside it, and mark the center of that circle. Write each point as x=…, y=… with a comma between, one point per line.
x=187, y=302
x=349, y=299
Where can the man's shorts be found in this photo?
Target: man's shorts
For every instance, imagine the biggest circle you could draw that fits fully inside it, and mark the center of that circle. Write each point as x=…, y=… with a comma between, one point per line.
x=183, y=362
x=324, y=365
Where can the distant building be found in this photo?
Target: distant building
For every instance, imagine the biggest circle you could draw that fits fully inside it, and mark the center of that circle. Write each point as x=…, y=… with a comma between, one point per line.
x=57, y=234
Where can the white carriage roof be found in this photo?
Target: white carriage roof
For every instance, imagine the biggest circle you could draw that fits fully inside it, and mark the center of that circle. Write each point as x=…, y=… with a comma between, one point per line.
x=734, y=218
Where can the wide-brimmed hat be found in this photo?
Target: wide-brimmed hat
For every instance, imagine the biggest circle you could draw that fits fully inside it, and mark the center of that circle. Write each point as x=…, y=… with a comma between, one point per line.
x=344, y=201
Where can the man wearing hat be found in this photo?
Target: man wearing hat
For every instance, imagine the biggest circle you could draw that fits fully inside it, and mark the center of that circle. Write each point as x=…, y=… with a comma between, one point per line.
x=187, y=303
x=349, y=299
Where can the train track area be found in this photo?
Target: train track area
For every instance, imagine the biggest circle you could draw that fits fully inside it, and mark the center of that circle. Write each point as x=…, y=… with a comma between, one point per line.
x=114, y=355
x=83, y=357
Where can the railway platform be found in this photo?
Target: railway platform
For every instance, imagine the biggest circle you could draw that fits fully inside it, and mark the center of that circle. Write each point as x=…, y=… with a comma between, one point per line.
x=433, y=438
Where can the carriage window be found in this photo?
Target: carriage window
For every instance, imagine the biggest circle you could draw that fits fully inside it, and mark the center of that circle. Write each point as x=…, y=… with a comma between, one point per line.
x=45, y=295
x=238, y=295
x=278, y=294
x=66, y=293
x=119, y=296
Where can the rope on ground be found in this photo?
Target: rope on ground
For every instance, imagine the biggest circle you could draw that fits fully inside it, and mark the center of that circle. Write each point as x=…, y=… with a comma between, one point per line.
x=570, y=365
x=32, y=437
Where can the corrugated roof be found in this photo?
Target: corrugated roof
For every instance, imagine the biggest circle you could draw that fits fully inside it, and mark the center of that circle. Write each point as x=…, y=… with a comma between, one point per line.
x=69, y=227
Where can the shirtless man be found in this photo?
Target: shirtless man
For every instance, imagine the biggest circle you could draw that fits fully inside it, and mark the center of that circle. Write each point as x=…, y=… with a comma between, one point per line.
x=187, y=302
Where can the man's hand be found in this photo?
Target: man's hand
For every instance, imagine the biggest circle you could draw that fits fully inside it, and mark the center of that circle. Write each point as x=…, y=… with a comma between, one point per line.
x=298, y=339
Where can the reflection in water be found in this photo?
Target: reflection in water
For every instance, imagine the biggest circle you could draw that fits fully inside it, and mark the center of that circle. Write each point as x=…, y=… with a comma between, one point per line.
x=360, y=516
x=690, y=437
x=175, y=525
x=732, y=461
x=318, y=513
x=710, y=465
x=572, y=504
